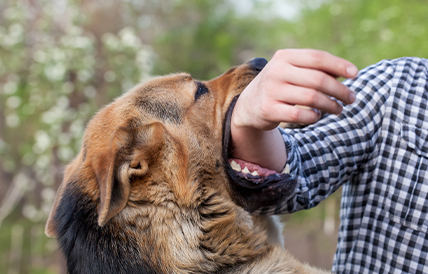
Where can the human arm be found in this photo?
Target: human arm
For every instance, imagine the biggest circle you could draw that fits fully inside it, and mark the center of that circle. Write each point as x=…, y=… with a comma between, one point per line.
x=292, y=77
x=342, y=148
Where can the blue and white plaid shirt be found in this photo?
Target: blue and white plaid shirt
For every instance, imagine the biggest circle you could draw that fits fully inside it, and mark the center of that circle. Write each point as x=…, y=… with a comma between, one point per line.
x=378, y=150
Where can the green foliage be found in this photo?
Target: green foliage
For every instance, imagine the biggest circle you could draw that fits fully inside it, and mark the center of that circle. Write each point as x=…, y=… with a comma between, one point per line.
x=54, y=74
x=208, y=37
x=52, y=82
x=205, y=40
x=60, y=61
x=365, y=31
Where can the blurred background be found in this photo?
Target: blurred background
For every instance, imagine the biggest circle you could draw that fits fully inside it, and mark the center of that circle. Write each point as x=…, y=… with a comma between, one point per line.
x=61, y=60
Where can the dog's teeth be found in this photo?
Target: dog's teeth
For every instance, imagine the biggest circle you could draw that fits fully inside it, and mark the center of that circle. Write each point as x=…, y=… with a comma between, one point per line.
x=255, y=173
x=245, y=170
x=235, y=166
x=286, y=170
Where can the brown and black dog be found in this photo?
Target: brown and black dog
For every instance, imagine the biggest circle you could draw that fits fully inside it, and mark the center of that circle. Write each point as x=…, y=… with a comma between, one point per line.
x=151, y=190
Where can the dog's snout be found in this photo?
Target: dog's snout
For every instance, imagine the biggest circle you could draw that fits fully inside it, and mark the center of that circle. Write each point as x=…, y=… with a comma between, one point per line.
x=258, y=63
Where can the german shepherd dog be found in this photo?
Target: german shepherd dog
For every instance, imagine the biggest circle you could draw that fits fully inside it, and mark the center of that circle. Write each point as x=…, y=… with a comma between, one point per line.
x=152, y=190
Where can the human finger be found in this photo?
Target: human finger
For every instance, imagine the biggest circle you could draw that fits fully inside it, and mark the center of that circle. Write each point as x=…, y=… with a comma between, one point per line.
x=297, y=95
x=317, y=59
x=294, y=114
x=320, y=81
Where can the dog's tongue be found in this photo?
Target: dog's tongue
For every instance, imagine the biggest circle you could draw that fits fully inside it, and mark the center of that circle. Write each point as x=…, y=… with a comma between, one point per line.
x=250, y=168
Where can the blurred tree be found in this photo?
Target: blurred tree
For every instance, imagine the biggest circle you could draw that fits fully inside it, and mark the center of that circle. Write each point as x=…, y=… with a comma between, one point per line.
x=364, y=31
x=207, y=42
x=203, y=37
x=54, y=74
x=60, y=60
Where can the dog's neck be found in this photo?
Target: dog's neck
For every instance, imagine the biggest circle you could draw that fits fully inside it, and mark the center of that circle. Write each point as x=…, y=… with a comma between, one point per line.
x=214, y=232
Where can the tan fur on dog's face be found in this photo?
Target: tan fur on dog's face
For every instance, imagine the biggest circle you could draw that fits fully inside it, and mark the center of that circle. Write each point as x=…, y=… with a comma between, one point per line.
x=149, y=190
x=160, y=124
x=156, y=150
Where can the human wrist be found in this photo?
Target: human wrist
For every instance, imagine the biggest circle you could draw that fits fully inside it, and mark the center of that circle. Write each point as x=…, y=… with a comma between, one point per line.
x=262, y=147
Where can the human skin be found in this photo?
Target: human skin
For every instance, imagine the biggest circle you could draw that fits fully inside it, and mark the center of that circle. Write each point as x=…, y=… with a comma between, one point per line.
x=292, y=77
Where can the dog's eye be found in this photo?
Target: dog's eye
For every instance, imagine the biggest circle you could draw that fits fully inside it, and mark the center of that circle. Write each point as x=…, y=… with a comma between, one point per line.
x=200, y=91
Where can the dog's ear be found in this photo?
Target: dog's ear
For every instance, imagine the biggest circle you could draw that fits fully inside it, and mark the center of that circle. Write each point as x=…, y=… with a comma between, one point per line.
x=131, y=152
x=127, y=155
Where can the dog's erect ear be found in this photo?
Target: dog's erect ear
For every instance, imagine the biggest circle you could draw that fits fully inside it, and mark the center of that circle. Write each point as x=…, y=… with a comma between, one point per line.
x=130, y=154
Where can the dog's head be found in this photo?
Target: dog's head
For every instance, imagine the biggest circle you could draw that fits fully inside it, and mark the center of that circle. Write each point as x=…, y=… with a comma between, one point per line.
x=152, y=180
x=172, y=133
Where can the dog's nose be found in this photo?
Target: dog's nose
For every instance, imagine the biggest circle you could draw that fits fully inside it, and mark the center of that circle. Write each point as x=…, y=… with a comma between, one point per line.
x=258, y=63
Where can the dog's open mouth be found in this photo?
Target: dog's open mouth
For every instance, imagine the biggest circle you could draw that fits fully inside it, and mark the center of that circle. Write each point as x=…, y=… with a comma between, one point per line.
x=253, y=171
x=252, y=186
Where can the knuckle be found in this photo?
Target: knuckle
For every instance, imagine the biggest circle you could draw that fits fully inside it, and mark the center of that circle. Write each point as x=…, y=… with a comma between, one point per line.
x=312, y=98
x=294, y=114
x=318, y=56
x=281, y=53
x=319, y=80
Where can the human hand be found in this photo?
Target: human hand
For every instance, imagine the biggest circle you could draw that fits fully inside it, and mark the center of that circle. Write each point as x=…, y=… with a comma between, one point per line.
x=293, y=77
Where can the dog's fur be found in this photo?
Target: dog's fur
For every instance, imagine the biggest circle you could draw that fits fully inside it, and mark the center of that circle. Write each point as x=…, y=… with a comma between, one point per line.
x=149, y=191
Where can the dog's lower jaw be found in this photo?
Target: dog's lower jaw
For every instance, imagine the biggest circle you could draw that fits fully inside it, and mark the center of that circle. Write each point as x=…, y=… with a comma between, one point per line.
x=248, y=191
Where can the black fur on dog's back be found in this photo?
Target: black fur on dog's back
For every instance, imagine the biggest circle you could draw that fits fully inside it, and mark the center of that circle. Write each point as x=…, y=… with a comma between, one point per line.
x=91, y=249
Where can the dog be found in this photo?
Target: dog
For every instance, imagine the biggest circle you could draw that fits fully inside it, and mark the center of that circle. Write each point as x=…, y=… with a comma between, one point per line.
x=152, y=189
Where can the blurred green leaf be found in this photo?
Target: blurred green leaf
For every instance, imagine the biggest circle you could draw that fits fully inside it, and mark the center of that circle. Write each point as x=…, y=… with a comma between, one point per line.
x=62, y=60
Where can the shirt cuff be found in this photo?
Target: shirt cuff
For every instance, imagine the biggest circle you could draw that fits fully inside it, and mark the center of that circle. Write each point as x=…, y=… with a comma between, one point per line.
x=293, y=164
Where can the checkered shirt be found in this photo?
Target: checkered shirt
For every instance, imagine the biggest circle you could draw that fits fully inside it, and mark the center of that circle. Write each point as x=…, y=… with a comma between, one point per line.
x=378, y=150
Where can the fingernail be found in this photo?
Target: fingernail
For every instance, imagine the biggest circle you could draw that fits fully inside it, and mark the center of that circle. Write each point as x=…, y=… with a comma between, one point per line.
x=318, y=112
x=339, y=109
x=352, y=71
x=352, y=97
